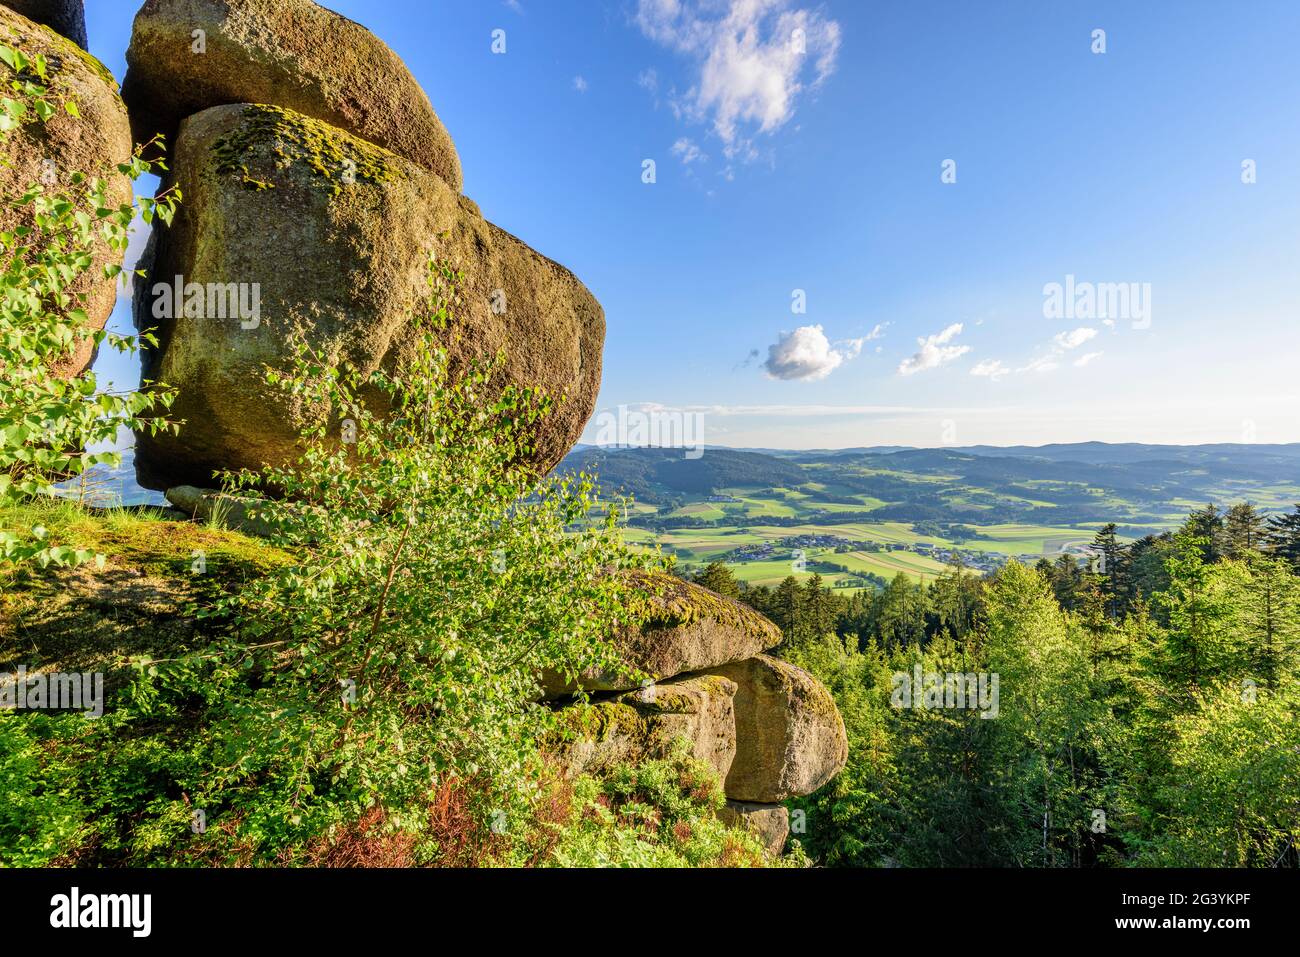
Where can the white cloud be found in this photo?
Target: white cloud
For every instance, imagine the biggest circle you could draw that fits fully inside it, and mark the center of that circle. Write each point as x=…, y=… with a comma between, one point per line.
x=1047, y=363
x=1084, y=359
x=807, y=354
x=992, y=369
x=1073, y=339
x=648, y=80
x=688, y=152
x=514, y=5
x=755, y=58
x=1061, y=343
x=580, y=84
x=935, y=351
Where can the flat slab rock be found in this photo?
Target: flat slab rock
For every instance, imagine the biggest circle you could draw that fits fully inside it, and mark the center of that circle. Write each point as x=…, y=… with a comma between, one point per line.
x=770, y=823
x=689, y=629
x=644, y=725
x=790, y=738
x=207, y=505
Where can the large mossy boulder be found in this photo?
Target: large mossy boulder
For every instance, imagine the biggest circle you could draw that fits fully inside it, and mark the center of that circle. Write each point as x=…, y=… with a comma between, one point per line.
x=647, y=724
x=65, y=17
x=790, y=738
x=49, y=153
x=331, y=237
x=687, y=629
x=291, y=53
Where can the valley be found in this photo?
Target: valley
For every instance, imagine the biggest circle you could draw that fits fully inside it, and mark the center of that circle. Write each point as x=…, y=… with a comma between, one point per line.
x=858, y=517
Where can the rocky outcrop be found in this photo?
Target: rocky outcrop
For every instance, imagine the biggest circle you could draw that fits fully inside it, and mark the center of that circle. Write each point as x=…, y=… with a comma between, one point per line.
x=329, y=237
x=50, y=153
x=645, y=724
x=688, y=628
x=65, y=17
x=790, y=738
x=318, y=184
x=769, y=822
x=786, y=737
x=290, y=53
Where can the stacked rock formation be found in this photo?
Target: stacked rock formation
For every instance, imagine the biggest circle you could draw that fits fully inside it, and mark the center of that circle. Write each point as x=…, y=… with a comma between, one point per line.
x=770, y=730
x=50, y=153
x=318, y=182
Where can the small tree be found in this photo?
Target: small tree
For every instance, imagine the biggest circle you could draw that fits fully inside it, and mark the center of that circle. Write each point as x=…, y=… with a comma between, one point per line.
x=436, y=577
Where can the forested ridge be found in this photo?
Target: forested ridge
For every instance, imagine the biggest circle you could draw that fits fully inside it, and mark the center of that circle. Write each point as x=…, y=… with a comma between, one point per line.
x=1147, y=714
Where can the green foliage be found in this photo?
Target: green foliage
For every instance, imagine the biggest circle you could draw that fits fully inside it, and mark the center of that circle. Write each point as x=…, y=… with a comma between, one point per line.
x=432, y=577
x=1123, y=737
x=1231, y=797
x=38, y=820
x=48, y=421
x=29, y=82
x=657, y=814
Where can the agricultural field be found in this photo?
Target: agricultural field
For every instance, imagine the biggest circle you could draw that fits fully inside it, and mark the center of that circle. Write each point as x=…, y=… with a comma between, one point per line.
x=857, y=517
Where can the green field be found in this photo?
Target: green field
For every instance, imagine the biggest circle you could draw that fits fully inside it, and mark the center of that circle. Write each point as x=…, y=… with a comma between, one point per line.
x=912, y=512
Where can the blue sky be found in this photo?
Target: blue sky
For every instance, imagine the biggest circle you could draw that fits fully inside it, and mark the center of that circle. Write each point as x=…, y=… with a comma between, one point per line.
x=813, y=163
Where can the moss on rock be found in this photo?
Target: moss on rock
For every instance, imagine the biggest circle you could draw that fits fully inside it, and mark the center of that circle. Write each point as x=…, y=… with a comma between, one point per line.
x=331, y=156
x=289, y=53
x=138, y=605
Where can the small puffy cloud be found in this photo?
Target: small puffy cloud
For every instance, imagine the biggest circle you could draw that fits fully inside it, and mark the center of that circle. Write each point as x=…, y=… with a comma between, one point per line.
x=1074, y=338
x=686, y=150
x=754, y=59
x=992, y=369
x=580, y=84
x=1087, y=357
x=935, y=351
x=648, y=80
x=806, y=354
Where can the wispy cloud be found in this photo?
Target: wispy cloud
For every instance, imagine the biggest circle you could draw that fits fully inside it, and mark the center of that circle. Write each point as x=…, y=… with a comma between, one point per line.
x=935, y=351
x=1086, y=358
x=580, y=84
x=1061, y=343
x=686, y=150
x=806, y=354
x=993, y=369
x=754, y=59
